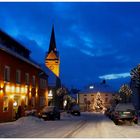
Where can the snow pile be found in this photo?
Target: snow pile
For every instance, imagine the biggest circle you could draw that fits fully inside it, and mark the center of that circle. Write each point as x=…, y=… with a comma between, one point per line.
x=28, y=120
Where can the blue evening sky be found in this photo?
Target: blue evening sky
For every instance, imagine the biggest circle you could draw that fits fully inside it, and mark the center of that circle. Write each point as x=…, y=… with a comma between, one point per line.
x=95, y=40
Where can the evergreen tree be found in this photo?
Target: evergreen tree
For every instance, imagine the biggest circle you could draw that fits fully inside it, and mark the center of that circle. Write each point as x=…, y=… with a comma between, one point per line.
x=98, y=103
x=125, y=93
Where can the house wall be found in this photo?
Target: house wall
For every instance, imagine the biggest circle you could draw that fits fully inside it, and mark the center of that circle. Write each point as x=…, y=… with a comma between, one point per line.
x=106, y=97
x=28, y=95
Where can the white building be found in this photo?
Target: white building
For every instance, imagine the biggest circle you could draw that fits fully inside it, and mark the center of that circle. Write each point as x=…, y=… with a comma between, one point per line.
x=87, y=96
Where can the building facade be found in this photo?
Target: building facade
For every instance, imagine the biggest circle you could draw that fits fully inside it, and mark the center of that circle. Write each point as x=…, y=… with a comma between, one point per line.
x=87, y=97
x=22, y=81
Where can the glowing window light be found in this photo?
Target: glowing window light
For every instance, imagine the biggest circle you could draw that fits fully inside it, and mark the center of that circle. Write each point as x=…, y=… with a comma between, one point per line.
x=17, y=89
x=1, y=85
x=26, y=90
x=12, y=89
x=15, y=104
x=36, y=90
x=30, y=89
x=11, y=96
x=7, y=88
x=36, y=94
x=30, y=93
x=22, y=90
x=23, y=97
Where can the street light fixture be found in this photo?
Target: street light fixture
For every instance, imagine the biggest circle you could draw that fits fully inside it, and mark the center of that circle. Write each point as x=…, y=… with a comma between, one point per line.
x=50, y=94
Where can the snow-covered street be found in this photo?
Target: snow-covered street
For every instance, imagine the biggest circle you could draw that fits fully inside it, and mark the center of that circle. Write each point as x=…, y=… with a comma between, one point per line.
x=88, y=125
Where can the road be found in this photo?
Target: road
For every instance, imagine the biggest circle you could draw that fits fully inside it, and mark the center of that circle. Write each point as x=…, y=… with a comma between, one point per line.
x=88, y=125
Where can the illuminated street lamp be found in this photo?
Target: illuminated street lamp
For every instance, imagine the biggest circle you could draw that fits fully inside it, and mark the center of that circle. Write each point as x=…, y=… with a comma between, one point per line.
x=65, y=103
x=50, y=94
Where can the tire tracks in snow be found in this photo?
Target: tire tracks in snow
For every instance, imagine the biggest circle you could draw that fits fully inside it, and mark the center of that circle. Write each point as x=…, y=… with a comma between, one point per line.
x=76, y=129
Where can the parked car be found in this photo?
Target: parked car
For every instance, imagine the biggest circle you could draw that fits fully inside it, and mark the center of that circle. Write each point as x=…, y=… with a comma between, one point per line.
x=75, y=110
x=124, y=111
x=50, y=113
x=32, y=112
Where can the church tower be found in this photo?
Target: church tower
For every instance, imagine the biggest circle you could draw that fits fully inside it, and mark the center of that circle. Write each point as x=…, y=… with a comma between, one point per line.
x=52, y=60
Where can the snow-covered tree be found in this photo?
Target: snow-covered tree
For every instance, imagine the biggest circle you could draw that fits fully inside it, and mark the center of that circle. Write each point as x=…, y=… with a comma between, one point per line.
x=62, y=91
x=98, y=103
x=125, y=93
x=135, y=76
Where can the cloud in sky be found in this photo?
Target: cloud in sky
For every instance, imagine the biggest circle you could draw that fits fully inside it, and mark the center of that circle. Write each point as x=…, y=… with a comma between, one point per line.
x=115, y=76
x=92, y=38
x=87, y=52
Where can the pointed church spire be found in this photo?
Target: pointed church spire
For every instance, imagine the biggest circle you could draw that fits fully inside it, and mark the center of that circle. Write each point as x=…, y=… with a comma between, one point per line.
x=52, y=60
x=52, y=46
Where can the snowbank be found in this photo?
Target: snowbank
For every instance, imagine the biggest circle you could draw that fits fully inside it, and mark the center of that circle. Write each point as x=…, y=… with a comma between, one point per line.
x=29, y=120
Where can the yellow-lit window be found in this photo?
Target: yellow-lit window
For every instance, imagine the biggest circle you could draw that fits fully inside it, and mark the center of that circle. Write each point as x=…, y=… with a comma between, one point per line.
x=5, y=103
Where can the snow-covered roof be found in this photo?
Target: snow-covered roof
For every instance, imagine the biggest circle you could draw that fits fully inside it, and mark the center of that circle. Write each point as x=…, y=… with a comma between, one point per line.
x=98, y=87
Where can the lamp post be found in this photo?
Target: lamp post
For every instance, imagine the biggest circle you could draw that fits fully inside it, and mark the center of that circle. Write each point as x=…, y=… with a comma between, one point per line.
x=50, y=97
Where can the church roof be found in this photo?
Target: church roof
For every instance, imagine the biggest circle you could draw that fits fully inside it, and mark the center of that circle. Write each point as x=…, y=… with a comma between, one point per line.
x=52, y=46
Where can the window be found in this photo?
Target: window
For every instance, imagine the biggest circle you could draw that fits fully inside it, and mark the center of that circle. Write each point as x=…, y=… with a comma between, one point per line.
x=33, y=80
x=7, y=73
x=106, y=94
x=17, y=76
x=5, y=103
x=106, y=99
x=27, y=78
x=85, y=95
